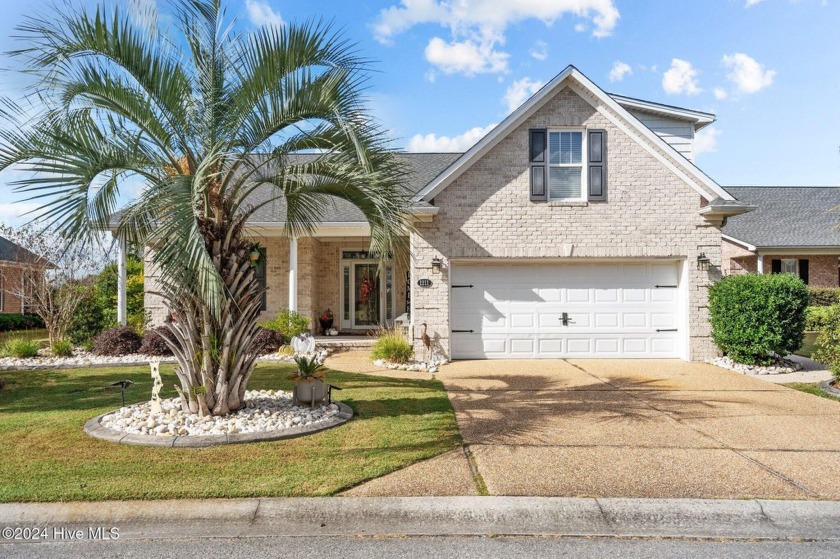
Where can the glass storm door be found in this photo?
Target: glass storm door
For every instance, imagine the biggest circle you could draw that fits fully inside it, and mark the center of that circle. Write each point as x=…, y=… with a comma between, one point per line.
x=366, y=297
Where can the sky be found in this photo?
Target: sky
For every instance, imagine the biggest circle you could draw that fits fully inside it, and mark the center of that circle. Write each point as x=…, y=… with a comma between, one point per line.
x=447, y=71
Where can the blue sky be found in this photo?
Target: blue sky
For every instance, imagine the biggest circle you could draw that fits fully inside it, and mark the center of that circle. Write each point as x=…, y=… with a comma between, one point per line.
x=446, y=71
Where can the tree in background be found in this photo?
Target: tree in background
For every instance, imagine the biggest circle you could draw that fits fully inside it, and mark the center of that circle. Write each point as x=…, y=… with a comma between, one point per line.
x=53, y=286
x=204, y=114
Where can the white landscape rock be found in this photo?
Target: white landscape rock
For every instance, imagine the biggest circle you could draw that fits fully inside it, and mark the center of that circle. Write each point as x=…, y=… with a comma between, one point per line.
x=265, y=411
x=780, y=366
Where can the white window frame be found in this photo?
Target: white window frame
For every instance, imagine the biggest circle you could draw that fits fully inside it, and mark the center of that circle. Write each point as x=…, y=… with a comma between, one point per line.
x=584, y=159
x=795, y=266
x=383, y=298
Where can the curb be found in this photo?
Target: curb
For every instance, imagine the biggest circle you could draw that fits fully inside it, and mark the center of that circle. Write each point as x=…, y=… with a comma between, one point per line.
x=94, y=428
x=826, y=386
x=423, y=516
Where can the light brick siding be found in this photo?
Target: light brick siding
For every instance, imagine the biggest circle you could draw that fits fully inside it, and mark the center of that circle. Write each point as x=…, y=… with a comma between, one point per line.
x=486, y=213
x=822, y=268
x=318, y=278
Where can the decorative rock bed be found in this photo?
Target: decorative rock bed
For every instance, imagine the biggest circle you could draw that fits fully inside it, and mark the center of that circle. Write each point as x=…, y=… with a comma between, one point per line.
x=429, y=367
x=780, y=366
x=267, y=415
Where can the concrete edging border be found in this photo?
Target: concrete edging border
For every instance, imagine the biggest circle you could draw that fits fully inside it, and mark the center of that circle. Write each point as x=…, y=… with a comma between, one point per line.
x=94, y=428
x=825, y=386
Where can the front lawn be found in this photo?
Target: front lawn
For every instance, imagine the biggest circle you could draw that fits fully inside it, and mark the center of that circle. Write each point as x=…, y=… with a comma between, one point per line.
x=811, y=388
x=46, y=455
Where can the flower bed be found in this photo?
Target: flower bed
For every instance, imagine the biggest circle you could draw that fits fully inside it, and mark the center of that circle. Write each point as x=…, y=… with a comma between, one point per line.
x=780, y=366
x=429, y=367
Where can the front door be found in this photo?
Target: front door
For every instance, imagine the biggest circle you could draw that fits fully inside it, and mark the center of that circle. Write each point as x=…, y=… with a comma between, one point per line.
x=367, y=291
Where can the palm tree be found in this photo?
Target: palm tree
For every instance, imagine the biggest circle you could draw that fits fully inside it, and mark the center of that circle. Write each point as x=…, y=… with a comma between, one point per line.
x=203, y=114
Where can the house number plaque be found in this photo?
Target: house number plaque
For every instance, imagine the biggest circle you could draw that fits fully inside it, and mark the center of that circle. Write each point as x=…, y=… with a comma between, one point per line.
x=423, y=282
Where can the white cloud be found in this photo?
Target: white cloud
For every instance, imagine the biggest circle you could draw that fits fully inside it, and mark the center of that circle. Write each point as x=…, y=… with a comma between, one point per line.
x=478, y=27
x=260, y=13
x=466, y=57
x=540, y=50
x=751, y=3
x=581, y=27
x=681, y=78
x=433, y=142
x=619, y=70
x=519, y=91
x=705, y=141
x=748, y=75
x=720, y=93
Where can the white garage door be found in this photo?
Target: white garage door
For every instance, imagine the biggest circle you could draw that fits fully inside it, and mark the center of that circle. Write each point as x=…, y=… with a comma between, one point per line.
x=565, y=310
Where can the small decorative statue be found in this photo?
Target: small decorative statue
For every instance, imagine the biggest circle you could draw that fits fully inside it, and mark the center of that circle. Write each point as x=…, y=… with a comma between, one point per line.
x=303, y=344
x=326, y=320
x=157, y=384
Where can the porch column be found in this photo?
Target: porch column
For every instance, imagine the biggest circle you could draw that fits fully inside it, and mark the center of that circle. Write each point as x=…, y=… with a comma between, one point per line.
x=293, y=264
x=760, y=266
x=122, y=306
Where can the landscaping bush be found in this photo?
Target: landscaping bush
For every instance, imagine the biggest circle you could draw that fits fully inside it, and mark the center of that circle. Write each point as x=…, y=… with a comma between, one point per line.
x=392, y=346
x=62, y=348
x=817, y=317
x=20, y=348
x=288, y=323
x=755, y=316
x=828, y=342
x=121, y=340
x=17, y=321
x=268, y=341
x=154, y=344
x=824, y=296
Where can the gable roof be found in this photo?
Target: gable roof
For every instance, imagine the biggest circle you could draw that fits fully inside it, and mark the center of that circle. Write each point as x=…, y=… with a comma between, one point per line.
x=698, y=118
x=786, y=216
x=13, y=252
x=658, y=147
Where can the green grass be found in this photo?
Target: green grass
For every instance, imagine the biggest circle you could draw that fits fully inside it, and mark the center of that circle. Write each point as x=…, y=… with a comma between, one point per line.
x=811, y=388
x=38, y=335
x=47, y=456
x=809, y=346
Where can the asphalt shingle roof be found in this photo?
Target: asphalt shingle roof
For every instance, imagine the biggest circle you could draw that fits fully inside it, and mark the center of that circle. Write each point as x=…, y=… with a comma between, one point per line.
x=421, y=168
x=787, y=216
x=13, y=252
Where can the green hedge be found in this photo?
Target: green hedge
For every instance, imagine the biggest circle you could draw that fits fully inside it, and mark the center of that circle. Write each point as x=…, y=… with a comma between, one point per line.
x=816, y=318
x=824, y=296
x=828, y=342
x=15, y=321
x=755, y=316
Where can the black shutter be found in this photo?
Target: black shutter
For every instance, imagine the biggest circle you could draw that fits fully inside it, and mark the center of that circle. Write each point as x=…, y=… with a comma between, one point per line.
x=803, y=270
x=597, y=165
x=537, y=146
x=775, y=266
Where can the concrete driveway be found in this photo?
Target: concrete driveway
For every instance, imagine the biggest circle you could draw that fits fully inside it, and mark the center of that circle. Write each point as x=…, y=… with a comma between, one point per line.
x=649, y=428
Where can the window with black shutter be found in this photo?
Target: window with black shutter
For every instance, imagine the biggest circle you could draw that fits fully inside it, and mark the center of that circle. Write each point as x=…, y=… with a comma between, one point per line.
x=260, y=272
x=537, y=145
x=776, y=266
x=803, y=270
x=597, y=156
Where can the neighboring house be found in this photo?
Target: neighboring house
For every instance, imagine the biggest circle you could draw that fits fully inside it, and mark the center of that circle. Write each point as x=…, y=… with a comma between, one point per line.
x=793, y=230
x=15, y=262
x=578, y=227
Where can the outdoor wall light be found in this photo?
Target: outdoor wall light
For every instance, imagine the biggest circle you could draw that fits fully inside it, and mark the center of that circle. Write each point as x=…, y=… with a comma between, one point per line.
x=702, y=261
x=436, y=264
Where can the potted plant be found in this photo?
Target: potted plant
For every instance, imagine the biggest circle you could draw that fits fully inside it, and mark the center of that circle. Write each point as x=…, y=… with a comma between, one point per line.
x=326, y=320
x=255, y=253
x=310, y=387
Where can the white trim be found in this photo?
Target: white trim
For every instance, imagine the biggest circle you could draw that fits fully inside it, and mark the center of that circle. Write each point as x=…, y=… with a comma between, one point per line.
x=122, y=287
x=293, y=264
x=683, y=302
x=759, y=263
x=698, y=118
x=584, y=178
x=748, y=246
x=383, y=300
x=701, y=182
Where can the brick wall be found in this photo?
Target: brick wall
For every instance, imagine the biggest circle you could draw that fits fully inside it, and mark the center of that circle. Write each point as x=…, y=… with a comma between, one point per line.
x=487, y=213
x=10, y=284
x=822, y=268
x=738, y=260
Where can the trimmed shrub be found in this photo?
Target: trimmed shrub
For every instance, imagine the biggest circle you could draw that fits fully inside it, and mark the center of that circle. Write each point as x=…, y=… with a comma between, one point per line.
x=154, y=344
x=16, y=321
x=756, y=316
x=392, y=346
x=288, y=323
x=121, y=340
x=62, y=348
x=20, y=348
x=817, y=317
x=267, y=341
x=828, y=342
x=824, y=296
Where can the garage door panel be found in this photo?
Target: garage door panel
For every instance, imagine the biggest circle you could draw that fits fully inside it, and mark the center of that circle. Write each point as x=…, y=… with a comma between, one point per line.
x=614, y=310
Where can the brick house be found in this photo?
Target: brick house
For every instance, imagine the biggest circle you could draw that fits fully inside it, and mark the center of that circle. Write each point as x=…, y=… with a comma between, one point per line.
x=578, y=227
x=15, y=261
x=792, y=230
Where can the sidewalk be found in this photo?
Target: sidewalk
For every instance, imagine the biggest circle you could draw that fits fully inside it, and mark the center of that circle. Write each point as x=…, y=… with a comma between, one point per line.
x=418, y=516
